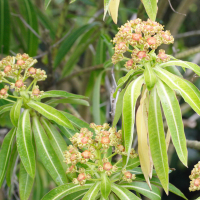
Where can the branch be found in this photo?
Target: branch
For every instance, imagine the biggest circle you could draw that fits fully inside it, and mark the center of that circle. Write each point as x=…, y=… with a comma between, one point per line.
x=188, y=52
x=187, y=34
x=193, y=144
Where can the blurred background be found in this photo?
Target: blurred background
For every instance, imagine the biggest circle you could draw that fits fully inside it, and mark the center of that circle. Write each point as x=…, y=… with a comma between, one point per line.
x=72, y=44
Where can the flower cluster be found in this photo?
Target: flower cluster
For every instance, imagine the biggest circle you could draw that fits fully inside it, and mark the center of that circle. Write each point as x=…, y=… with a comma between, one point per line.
x=90, y=148
x=18, y=68
x=195, y=178
x=140, y=38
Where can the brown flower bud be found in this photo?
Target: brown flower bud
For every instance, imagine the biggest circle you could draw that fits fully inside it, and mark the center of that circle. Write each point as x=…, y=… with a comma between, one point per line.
x=3, y=91
x=197, y=182
x=151, y=40
x=136, y=36
x=73, y=157
x=141, y=54
x=20, y=62
x=36, y=92
x=81, y=177
x=129, y=63
x=121, y=45
x=121, y=147
x=126, y=29
x=86, y=154
x=107, y=166
x=7, y=69
x=118, y=135
x=84, y=140
x=32, y=70
x=162, y=55
x=105, y=140
x=128, y=175
x=19, y=83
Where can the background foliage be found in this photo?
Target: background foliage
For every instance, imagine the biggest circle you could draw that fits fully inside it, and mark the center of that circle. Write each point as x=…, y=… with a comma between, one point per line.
x=72, y=44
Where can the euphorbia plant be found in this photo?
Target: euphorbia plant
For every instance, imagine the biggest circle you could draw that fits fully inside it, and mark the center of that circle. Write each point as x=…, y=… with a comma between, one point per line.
x=28, y=113
x=155, y=79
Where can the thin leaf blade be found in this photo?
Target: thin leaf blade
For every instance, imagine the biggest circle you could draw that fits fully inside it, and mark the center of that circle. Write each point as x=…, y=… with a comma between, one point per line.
x=92, y=192
x=151, y=8
x=105, y=186
x=15, y=112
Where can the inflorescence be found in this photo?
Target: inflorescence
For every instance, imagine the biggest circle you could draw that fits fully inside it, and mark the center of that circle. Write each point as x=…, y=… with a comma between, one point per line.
x=91, y=149
x=14, y=71
x=140, y=38
x=195, y=178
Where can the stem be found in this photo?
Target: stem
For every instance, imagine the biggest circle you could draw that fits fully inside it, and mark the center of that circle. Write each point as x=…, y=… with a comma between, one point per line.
x=112, y=155
x=115, y=180
x=92, y=163
x=130, y=50
x=33, y=82
x=98, y=179
x=6, y=81
x=118, y=162
x=14, y=97
x=9, y=100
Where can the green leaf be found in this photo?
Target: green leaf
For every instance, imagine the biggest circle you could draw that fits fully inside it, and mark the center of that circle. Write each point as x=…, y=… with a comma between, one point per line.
x=113, y=196
x=50, y=113
x=113, y=9
x=66, y=131
x=92, y=192
x=5, y=108
x=24, y=143
x=5, y=153
x=96, y=99
x=77, y=122
x=106, y=6
x=15, y=112
x=122, y=81
x=123, y=193
x=28, y=12
x=172, y=188
x=174, y=70
x=173, y=116
x=118, y=110
x=128, y=117
x=132, y=163
x=105, y=185
x=100, y=52
x=47, y=154
x=149, y=77
x=64, y=190
x=183, y=64
x=188, y=91
x=75, y=196
x=5, y=27
x=56, y=140
x=11, y=165
x=157, y=140
x=143, y=189
x=69, y=41
x=25, y=183
x=61, y=93
x=151, y=8
x=46, y=3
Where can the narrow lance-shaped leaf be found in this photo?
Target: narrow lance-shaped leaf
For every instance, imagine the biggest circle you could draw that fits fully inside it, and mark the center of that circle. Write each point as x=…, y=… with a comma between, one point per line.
x=105, y=185
x=5, y=153
x=66, y=131
x=24, y=143
x=25, y=183
x=5, y=108
x=130, y=97
x=157, y=140
x=47, y=154
x=187, y=90
x=15, y=112
x=46, y=3
x=50, y=113
x=143, y=147
x=113, y=8
x=106, y=7
x=151, y=8
x=123, y=193
x=149, y=76
x=64, y=190
x=174, y=119
x=143, y=189
x=92, y=192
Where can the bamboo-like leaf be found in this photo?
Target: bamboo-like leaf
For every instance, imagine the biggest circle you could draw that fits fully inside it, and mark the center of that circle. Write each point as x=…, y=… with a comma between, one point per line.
x=61, y=93
x=149, y=76
x=13, y=158
x=173, y=70
x=75, y=196
x=105, y=185
x=47, y=154
x=46, y=3
x=106, y=7
x=28, y=12
x=151, y=8
x=194, y=67
x=143, y=147
x=188, y=91
x=157, y=140
x=113, y=8
x=123, y=193
x=143, y=189
x=66, y=131
x=50, y=113
x=24, y=143
x=113, y=196
x=92, y=192
x=130, y=97
x=56, y=140
x=15, y=112
x=25, y=183
x=100, y=57
x=4, y=26
x=173, y=116
x=132, y=163
x=5, y=153
x=64, y=190
x=167, y=139
x=5, y=108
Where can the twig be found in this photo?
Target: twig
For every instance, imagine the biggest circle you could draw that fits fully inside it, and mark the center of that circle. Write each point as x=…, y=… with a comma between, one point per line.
x=188, y=52
x=187, y=34
x=73, y=111
x=77, y=73
x=174, y=10
x=193, y=144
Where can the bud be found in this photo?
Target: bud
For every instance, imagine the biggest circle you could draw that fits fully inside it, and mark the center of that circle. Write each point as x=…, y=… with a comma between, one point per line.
x=106, y=133
x=118, y=135
x=136, y=36
x=107, y=166
x=105, y=140
x=151, y=40
x=19, y=83
x=7, y=69
x=141, y=54
x=25, y=56
x=3, y=91
x=81, y=177
x=20, y=62
x=86, y=154
x=126, y=29
x=128, y=175
x=73, y=157
x=36, y=92
x=121, y=147
x=148, y=27
x=129, y=63
x=121, y=45
x=84, y=140
x=32, y=70
x=197, y=182
x=162, y=55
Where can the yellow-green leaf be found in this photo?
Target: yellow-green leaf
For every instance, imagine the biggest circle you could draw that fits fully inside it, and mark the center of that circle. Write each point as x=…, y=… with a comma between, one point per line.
x=113, y=8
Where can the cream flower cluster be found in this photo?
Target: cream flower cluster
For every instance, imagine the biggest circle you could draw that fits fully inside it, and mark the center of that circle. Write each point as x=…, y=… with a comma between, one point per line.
x=195, y=178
